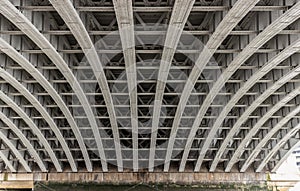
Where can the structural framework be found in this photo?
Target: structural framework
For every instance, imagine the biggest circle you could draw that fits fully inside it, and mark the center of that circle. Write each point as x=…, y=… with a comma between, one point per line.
x=148, y=85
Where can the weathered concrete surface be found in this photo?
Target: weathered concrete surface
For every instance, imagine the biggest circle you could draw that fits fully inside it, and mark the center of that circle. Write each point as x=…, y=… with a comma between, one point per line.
x=283, y=181
x=145, y=187
x=195, y=181
x=129, y=177
x=16, y=181
x=16, y=184
x=281, y=185
x=145, y=177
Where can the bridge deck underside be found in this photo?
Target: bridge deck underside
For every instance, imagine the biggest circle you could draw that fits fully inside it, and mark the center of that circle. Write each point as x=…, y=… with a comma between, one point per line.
x=123, y=91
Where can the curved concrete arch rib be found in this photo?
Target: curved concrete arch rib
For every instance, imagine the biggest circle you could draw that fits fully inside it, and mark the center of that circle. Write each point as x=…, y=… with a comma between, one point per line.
x=16, y=152
x=13, y=14
x=273, y=29
x=237, y=12
x=36, y=74
x=124, y=14
x=281, y=143
x=34, y=128
x=12, y=81
x=24, y=140
x=7, y=162
x=180, y=14
x=287, y=154
x=277, y=127
x=68, y=13
x=276, y=60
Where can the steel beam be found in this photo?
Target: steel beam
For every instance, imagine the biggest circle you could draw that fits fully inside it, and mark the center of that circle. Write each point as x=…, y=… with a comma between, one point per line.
x=145, y=32
x=11, y=13
x=238, y=11
x=68, y=13
x=33, y=100
x=269, y=32
x=180, y=14
x=116, y=51
x=38, y=76
x=16, y=152
x=7, y=162
x=283, y=158
x=34, y=129
x=276, y=60
x=124, y=14
x=277, y=127
x=276, y=148
x=243, y=38
x=24, y=140
x=154, y=9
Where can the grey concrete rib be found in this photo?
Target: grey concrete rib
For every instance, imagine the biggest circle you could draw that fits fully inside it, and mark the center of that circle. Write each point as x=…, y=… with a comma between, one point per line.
x=36, y=74
x=290, y=50
x=287, y=138
x=287, y=154
x=237, y=12
x=274, y=28
x=17, y=153
x=281, y=143
x=18, y=86
x=24, y=140
x=283, y=121
x=124, y=14
x=11, y=13
x=196, y=114
x=180, y=14
x=34, y=128
x=7, y=162
x=68, y=13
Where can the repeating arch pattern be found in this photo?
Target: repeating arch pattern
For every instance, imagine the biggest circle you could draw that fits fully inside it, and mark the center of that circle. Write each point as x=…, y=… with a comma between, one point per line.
x=17, y=153
x=270, y=134
x=11, y=80
x=35, y=129
x=288, y=139
x=24, y=140
x=288, y=18
x=8, y=10
x=24, y=63
x=134, y=104
x=68, y=13
x=228, y=23
x=264, y=70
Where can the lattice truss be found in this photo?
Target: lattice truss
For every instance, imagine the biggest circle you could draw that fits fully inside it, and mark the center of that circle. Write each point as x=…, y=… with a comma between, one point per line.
x=78, y=94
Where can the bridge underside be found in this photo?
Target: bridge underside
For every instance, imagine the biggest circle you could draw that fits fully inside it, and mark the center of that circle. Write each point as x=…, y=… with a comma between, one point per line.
x=148, y=85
